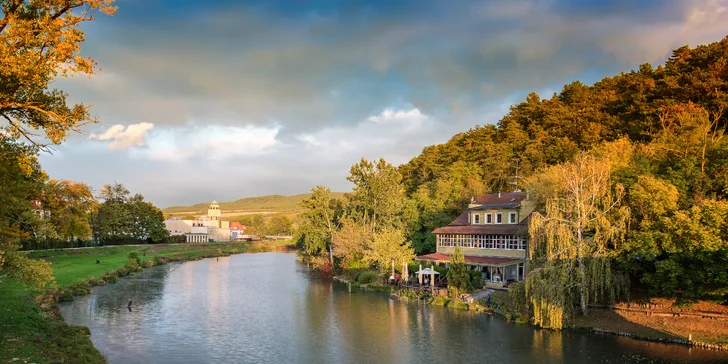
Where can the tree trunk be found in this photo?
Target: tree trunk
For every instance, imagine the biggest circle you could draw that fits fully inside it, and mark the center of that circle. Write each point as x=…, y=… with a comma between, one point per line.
x=582, y=271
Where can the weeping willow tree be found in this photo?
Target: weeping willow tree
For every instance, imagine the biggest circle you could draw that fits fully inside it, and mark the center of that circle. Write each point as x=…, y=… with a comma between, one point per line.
x=572, y=242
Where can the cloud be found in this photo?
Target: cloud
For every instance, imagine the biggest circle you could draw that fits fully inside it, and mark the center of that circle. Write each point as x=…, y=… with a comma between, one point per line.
x=207, y=143
x=411, y=117
x=279, y=96
x=125, y=136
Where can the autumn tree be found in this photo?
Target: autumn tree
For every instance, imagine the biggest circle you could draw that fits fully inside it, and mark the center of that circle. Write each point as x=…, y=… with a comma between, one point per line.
x=350, y=243
x=387, y=246
x=39, y=41
x=572, y=240
x=70, y=204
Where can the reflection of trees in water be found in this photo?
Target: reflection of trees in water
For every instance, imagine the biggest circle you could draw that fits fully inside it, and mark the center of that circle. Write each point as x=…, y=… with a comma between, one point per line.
x=549, y=343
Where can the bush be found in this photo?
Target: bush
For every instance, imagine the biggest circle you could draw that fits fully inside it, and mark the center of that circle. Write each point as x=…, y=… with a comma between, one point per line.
x=476, y=279
x=367, y=277
x=123, y=271
x=134, y=256
x=234, y=251
x=148, y=263
x=111, y=278
x=131, y=265
x=65, y=297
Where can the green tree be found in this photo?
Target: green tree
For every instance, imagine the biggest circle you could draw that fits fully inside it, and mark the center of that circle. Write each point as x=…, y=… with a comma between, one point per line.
x=458, y=279
x=378, y=195
x=279, y=224
x=571, y=258
x=319, y=223
x=387, y=246
x=125, y=217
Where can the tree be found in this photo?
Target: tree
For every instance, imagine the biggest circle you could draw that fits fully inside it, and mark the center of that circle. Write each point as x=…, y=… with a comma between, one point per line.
x=387, y=246
x=125, y=217
x=316, y=233
x=458, y=279
x=279, y=224
x=570, y=242
x=69, y=204
x=350, y=242
x=378, y=194
x=40, y=40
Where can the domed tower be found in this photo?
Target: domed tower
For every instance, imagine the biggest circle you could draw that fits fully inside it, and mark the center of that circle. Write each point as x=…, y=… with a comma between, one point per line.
x=213, y=213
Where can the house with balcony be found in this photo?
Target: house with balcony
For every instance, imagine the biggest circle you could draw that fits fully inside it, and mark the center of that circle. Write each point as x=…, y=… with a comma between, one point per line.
x=492, y=233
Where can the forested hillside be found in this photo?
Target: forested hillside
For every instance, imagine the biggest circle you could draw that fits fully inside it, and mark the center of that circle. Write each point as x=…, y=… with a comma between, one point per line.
x=670, y=121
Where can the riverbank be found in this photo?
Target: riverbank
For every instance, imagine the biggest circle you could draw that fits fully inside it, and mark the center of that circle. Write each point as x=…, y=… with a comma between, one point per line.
x=701, y=325
x=31, y=327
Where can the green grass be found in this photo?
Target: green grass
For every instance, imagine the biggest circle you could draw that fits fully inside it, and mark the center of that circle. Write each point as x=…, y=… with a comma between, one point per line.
x=269, y=203
x=35, y=335
x=34, y=331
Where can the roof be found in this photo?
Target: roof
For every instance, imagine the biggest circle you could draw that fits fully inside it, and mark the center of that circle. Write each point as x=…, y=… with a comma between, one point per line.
x=471, y=259
x=234, y=225
x=492, y=200
x=498, y=229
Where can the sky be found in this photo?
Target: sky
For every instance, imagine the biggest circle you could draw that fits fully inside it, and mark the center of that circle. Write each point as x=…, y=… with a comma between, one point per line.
x=203, y=100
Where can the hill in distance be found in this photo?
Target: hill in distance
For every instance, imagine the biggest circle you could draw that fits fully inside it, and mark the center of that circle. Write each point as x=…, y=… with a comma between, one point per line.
x=270, y=204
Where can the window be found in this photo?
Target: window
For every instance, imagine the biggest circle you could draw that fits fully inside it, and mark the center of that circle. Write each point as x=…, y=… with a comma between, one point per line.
x=511, y=217
x=499, y=218
x=488, y=218
x=476, y=219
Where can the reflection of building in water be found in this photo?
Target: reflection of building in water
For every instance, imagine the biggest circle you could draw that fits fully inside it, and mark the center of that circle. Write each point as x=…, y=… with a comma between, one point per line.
x=492, y=235
x=204, y=229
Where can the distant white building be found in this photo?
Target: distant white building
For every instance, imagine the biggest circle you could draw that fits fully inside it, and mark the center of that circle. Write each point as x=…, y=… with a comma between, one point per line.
x=202, y=229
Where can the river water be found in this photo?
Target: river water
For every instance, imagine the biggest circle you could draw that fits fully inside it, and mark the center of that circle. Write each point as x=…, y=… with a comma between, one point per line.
x=266, y=308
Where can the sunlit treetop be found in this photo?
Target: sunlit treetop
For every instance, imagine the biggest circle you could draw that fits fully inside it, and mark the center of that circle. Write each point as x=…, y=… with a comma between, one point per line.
x=39, y=41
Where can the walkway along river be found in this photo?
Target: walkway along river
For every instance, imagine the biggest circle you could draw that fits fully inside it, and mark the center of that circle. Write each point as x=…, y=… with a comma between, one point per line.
x=266, y=308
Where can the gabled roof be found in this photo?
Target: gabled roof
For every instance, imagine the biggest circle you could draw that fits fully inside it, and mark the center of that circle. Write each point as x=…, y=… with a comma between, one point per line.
x=234, y=225
x=493, y=201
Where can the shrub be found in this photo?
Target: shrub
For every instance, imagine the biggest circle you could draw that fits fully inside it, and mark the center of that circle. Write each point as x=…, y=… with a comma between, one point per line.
x=159, y=261
x=132, y=264
x=148, y=263
x=93, y=281
x=476, y=279
x=234, y=251
x=134, y=256
x=367, y=277
x=66, y=296
x=111, y=278
x=81, y=291
x=123, y=271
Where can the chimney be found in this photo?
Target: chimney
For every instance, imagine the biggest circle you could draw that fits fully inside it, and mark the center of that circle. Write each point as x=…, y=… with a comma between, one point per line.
x=499, y=194
x=472, y=199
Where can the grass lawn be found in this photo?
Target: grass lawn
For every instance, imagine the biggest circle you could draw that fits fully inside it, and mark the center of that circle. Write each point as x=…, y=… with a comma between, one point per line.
x=36, y=335
x=33, y=331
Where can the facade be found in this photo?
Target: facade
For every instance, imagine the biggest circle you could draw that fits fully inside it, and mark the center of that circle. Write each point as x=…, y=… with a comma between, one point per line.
x=203, y=229
x=492, y=233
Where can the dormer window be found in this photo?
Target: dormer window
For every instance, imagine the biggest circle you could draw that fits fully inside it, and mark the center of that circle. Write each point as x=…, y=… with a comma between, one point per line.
x=476, y=219
x=498, y=217
x=511, y=217
x=488, y=218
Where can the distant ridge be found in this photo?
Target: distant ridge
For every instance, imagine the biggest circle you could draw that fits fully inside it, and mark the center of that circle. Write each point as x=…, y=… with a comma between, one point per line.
x=261, y=204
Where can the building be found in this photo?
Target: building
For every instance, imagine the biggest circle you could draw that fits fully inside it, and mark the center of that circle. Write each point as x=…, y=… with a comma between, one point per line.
x=203, y=229
x=492, y=233
x=236, y=230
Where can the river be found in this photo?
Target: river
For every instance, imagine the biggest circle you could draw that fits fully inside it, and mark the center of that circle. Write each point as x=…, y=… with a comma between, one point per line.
x=266, y=308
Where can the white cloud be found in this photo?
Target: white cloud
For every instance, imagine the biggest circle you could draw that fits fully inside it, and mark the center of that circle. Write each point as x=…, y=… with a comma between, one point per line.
x=210, y=142
x=412, y=117
x=125, y=136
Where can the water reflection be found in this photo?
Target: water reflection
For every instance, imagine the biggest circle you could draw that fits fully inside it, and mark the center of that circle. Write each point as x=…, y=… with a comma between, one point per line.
x=255, y=308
